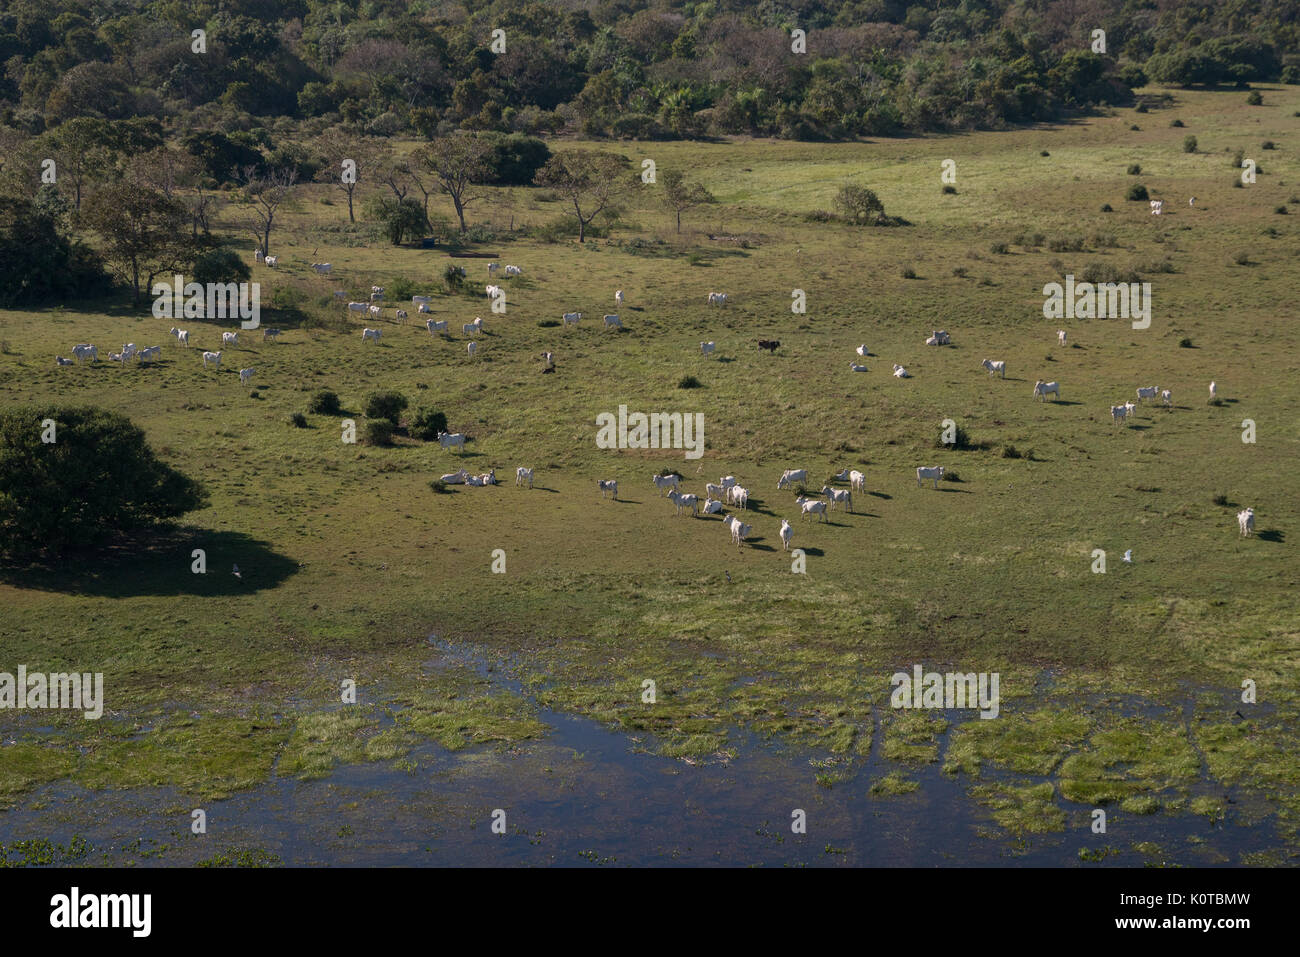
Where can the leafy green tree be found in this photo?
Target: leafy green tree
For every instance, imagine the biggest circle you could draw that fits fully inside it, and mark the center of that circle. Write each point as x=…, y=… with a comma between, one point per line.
x=589, y=179
x=98, y=477
x=679, y=195
x=458, y=163
x=859, y=205
x=144, y=232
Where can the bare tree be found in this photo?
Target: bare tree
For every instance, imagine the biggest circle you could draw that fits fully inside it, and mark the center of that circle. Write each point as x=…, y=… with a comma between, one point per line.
x=679, y=195
x=589, y=179
x=458, y=163
x=264, y=194
x=351, y=159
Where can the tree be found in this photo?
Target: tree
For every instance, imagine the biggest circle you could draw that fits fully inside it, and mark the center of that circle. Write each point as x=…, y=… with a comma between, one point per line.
x=38, y=264
x=680, y=195
x=401, y=217
x=97, y=478
x=458, y=163
x=366, y=155
x=264, y=194
x=144, y=232
x=81, y=151
x=589, y=179
x=859, y=205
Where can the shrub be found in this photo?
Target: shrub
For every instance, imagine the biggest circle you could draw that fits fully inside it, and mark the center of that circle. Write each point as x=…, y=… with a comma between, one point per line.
x=1011, y=452
x=1142, y=108
x=1268, y=145
x=1000, y=249
x=378, y=432
x=1220, y=499
x=1281, y=211
x=959, y=271
x=1137, y=193
x=907, y=272
x=385, y=405
x=950, y=190
x=453, y=277
x=299, y=420
x=548, y=323
x=961, y=441
x=1135, y=128
x=1242, y=259
x=220, y=265
x=1255, y=98
x=1044, y=153
x=324, y=402
x=1134, y=169
x=1189, y=143
x=1177, y=124
x=1107, y=208
x=427, y=423
x=859, y=205
x=1065, y=244
x=98, y=478
x=439, y=486
x=690, y=382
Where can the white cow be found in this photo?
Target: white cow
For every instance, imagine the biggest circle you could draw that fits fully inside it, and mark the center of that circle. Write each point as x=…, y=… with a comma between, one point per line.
x=727, y=481
x=900, y=372
x=618, y=297
x=685, y=500
x=213, y=357
x=229, y=339
x=271, y=261
x=1118, y=413
x=1150, y=392
x=707, y=347
x=712, y=490
x=664, y=482
x=85, y=350
x=791, y=476
x=371, y=334
x=513, y=271
x=471, y=348
x=738, y=496
x=1213, y=390
x=1246, y=522
x=1157, y=207
x=492, y=269
x=1042, y=389
x=258, y=255
x=358, y=306
x=712, y=506
x=456, y=439
x=421, y=300
x=472, y=328
x=840, y=496
x=376, y=311
x=996, y=368
x=436, y=326
x=571, y=318
x=613, y=321
x=787, y=532
x=1060, y=336
x=1167, y=397
x=935, y=473
x=245, y=375
x=423, y=308
x=854, y=367
x=321, y=268
x=340, y=293
x=376, y=292
x=862, y=350
x=60, y=361
x=814, y=507
x=455, y=478
x=739, y=532
x=523, y=475
x=182, y=336
x=857, y=481
x=149, y=353
x=717, y=299
x=608, y=485
x=492, y=290
x=401, y=314
x=272, y=334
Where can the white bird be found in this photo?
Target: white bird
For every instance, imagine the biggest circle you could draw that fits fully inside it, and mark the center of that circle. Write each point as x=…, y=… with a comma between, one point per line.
x=1128, y=556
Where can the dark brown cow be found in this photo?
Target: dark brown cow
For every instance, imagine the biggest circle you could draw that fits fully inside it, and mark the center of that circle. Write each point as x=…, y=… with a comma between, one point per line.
x=771, y=345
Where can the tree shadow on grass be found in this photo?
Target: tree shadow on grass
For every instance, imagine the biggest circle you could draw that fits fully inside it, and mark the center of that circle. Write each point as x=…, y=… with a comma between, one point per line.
x=880, y=495
x=158, y=562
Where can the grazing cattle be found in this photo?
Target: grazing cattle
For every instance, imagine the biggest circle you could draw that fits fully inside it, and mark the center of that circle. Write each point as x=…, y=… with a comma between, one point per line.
x=771, y=345
x=258, y=255
x=376, y=292
x=739, y=532
x=571, y=318
x=182, y=336
x=371, y=334
x=401, y=314
x=1150, y=392
x=321, y=268
x=841, y=476
x=549, y=359
x=85, y=350
x=493, y=291
x=706, y=348
x=472, y=328
x=1167, y=397
x=862, y=350
x=613, y=321
x=712, y=491
x=60, y=361
x=854, y=367
x=1157, y=207
x=727, y=481
x=213, y=357
x=128, y=350
x=358, y=307
x=458, y=477
x=245, y=375
x=1129, y=407
x=340, y=293
x=118, y=357
x=272, y=334
x=489, y=477
x=663, y=482
x=149, y=353
x=229, y=339
x=738, y=496
x=857, y=481
x=685, y=500
x=717, y=299
x=900, y=372
x=1192, y=202
x=513, y=271
x=814, y=507
x=424, y=308
x=1213, y=391
x=1118, y=414
x=932, y=341
x=436, y=326
x=787, y=532
x=618, y=298
x=996, y=368
x=935, y=473
x=1246, y=522
x=492, y=269
x=608, y=485
x=1060, y=336
x=1041, y=389
x=271, y=261
x=523, y=475
x=937, y=338
x=456, y=439
x=790, y=476
x=471, y=348
x=841, y=496
x=712, y=506
x=376, y=311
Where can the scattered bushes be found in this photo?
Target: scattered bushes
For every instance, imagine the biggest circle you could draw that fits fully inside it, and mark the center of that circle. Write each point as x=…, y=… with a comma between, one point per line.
x=427, y=423
x=299, y=420
x=1254, y=98
x=1189, y=143
x=1134, y=169
x=907, y=272
x=999, y=249
x=378, y=432
x=1177, y=124
x=690, y=382
x=1137, y=193
x=324, y=402
x=385, y=405
x=950, y=190
x=1185, y=343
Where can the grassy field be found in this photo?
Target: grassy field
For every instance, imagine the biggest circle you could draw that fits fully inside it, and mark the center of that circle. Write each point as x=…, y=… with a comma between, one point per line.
x=350, y=560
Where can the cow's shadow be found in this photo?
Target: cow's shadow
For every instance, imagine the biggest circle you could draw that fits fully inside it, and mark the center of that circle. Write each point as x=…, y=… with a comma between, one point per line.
x=1272, y=535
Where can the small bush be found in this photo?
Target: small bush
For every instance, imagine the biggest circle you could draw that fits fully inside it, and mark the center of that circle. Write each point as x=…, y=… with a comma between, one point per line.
x=1237, y=158
x=299, y=420
x=1000, y=249
x=427, y=423
x=453, y=278
x=907, y=272
x=385, y=405
x=959, y=271
x=961, y=441
x=1220, y=499
x=1255, y=98
x=951, y=190
x=1137, y=193
x=1177, y=124
x=1106, y=208
x=324, y=402
x=690, y=382
x=1185, y=343
x=378, y=432
x=1242, y=259
x=1044, y=153
x=548, y=323
x=1142, y=108
x=1065, y=244
x=439, y=486
x=1268, y=145
x=1134, y=169
x=1189, y=143
x=1011, y=452
x=1281, y=211
x=1135, y=128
